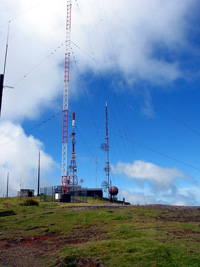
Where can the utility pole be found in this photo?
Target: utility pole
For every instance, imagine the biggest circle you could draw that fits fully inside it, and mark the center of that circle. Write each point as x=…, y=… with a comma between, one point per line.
x=7, y=184
x=38, y=192
x=2, y=76
x=1, y=90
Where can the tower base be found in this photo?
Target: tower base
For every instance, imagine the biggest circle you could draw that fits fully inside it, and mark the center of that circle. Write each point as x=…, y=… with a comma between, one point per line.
x=66, y=197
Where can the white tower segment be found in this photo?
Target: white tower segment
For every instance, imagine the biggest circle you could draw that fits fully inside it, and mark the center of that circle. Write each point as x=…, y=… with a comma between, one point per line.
x=65, y=177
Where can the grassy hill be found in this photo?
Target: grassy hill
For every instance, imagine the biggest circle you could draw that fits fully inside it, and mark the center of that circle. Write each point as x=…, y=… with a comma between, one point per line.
x=97, y=234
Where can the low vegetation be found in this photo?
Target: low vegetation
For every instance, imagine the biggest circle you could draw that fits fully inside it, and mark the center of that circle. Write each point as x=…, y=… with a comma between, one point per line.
x=97, y=234
x=30, y=202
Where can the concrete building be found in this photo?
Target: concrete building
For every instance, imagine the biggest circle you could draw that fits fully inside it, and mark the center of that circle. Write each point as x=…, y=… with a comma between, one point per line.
x=26, y=193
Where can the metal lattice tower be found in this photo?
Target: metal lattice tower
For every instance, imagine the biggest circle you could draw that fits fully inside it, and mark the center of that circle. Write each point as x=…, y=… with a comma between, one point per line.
x=73, y=179
x=107, y=163
x=65, y=177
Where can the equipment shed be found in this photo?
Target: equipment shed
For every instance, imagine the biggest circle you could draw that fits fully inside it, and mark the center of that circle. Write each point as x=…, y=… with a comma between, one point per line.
x=26, y=193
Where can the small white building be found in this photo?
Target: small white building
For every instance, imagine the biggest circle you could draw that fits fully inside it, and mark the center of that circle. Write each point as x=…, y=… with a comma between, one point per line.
x=26, y=193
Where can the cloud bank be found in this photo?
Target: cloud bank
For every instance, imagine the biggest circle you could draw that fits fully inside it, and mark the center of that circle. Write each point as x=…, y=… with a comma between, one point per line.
x=157, y=176
x=160, y=184
x=134, y=37
x=127, y=37
x=19, y=157
x=181, y=198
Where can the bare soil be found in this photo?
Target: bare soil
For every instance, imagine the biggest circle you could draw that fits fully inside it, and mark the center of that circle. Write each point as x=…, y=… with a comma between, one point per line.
x=35, y=250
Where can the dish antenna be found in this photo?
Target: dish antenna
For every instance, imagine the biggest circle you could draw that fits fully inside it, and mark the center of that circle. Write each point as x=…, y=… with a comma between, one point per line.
x=104, y=185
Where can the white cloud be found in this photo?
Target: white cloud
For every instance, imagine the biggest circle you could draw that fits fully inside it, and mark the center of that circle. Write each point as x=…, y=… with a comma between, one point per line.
x=145, y=197
x=160, y=187
x=155, y=175
x=33, y=36
x=187, y=196
x=134, y=30
x=147, y=108
x=137, y=198
x=19, y=157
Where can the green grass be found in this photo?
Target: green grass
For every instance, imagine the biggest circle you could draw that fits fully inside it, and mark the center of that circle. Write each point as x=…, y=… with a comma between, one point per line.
x=128, y=236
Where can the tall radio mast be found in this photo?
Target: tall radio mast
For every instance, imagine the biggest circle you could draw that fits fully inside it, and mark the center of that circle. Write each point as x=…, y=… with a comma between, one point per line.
x=107, y=163
x=105, y=147
x=65, y=177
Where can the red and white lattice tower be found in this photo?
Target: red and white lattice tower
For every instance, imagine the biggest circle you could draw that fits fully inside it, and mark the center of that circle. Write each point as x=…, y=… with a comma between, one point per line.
x=65, y=177
x=73, y=179
x=107, y=163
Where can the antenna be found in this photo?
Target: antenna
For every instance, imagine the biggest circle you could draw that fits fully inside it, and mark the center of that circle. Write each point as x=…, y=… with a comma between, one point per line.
x=65, y=178
x=96, y=170
x=4, y=69
x=21, y=185
x=105, y=147
x=2, y=76
x=73, y=179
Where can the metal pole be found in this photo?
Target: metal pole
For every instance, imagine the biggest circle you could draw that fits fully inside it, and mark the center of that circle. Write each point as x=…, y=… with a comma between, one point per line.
x=39, y=176
x=107, y=167
x=1, y=90
x=4, y=71
x=7, y=184
x=96, y=169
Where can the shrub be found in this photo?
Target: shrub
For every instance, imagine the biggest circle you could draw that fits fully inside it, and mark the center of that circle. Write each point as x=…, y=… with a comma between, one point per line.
x=30, y=202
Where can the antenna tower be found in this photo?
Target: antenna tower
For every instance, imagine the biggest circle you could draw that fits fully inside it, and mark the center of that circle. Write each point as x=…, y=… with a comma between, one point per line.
x=107, y=163
x=73, y=179
x=2, y=76
x=65, y=177
x=96, y=170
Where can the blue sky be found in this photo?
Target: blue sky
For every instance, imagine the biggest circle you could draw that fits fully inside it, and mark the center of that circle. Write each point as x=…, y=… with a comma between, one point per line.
x=142, y=57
